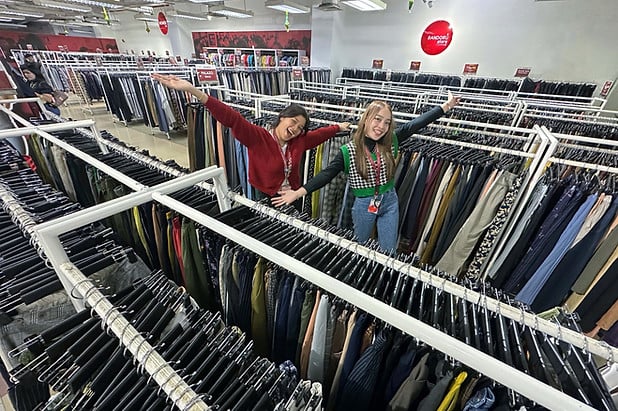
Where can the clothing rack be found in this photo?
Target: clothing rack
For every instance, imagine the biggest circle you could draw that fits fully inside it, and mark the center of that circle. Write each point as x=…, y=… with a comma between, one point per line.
x=76, y=283
x=183, y=72
x=386, y=80
x=489, y=366
x=592, y=115
x=394, y=317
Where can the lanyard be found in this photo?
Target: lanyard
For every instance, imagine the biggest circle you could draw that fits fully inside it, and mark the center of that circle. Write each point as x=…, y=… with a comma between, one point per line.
x=376, y=168
x=287, y=161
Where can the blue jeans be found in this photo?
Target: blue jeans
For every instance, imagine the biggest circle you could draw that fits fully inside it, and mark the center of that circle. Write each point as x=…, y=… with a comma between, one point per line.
x=53, y=109
x=387, y=219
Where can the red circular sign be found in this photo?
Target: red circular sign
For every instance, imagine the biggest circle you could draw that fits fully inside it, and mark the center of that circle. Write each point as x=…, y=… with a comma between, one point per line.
x=436, y=37
x=162, y=22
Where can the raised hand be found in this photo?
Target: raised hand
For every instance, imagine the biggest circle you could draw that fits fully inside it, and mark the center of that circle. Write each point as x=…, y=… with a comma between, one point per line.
x=171, y=81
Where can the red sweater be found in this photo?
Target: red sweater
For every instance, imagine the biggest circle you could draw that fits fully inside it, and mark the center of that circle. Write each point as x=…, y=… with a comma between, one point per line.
x=266, y=167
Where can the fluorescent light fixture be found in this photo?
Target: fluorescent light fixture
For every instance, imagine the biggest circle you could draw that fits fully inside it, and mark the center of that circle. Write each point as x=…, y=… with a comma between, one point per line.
x=22, y=26
x=64, y=6
x=97, y=3
x=230, y=12
x=144, y=17
x=21, y=14
x=286, y=5
x=205, y=1
x=190, y=16
x=366, y=5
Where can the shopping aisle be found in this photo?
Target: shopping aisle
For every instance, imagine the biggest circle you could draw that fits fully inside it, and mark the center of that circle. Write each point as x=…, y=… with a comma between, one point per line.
x=135, y=134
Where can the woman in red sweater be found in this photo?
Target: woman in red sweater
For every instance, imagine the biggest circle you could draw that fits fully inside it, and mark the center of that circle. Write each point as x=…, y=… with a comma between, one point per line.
x=274, y=153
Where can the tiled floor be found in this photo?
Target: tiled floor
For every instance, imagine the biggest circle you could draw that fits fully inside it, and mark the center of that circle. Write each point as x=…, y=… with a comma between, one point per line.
x=135, y=134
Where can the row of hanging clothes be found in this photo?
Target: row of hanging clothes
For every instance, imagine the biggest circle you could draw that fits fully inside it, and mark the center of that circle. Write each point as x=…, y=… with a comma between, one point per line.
x=159, y=236
x=260, y=383
x=449, y=197
x=133, y=97
x=562, y=250
x=555, y=121
x=484, y=85
x=32, y=297
x=361, y=362
x=88, y=369
x=163, y=107
x=90, y=82
x=558, y=88
x=270, y=81
x=402, y=77
x=57, y=76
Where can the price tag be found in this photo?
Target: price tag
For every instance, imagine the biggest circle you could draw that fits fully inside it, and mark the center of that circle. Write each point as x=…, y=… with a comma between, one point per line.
x=470, y=68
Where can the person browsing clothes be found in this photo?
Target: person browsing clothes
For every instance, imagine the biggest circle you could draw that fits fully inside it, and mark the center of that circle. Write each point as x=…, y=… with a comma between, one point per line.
x=274, y=153
x=40, y=88
x=369, y=162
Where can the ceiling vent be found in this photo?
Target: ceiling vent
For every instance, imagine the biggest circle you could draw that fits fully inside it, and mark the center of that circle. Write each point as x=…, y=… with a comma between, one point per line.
x=329, y=5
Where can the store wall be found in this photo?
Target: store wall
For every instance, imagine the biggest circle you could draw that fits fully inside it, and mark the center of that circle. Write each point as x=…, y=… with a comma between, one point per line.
x=559, y=40
x=178, y=40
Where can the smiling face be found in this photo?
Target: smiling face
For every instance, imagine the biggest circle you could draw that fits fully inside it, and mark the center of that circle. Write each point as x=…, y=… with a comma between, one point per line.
x=377, y=121
x=290, y=128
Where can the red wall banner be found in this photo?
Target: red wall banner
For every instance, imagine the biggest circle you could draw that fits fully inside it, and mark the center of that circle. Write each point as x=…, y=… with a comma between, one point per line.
x=293, y=39
x=15, y=39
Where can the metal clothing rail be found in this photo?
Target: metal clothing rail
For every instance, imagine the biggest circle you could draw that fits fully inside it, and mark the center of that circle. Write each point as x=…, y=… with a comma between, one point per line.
x=219, y=189
x=45, y=238
x=43, y=131
x=591, y=115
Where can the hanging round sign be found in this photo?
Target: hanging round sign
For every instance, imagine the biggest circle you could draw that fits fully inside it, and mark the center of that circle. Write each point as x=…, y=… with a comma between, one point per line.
x=436, y=37
x=162, y=22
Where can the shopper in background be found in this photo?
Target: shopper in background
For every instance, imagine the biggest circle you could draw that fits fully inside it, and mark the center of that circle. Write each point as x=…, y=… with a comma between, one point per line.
x=30, y=62
x=369, y=161
x=275, y=153
x=40, y=88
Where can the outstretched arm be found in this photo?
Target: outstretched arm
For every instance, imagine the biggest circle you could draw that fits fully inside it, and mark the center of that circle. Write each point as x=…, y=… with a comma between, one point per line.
x=245, y=132
x=320, y=180
x=406, y=130
x=176, y=83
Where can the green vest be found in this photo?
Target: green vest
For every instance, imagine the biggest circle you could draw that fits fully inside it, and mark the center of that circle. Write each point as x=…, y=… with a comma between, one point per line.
x=366, y=187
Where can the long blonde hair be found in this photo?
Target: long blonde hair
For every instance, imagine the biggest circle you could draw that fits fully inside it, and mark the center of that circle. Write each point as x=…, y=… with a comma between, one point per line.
x=384, y=145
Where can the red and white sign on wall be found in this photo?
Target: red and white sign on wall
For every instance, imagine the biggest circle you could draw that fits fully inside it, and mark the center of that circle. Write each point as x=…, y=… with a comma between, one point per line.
x=522, y=72
x=437, y=37
x=206, y=74
x=607, y=86
x=471, y=68
x=163, y=26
